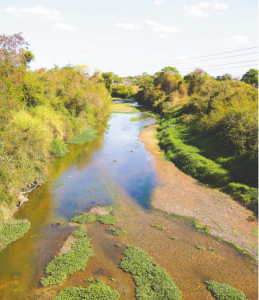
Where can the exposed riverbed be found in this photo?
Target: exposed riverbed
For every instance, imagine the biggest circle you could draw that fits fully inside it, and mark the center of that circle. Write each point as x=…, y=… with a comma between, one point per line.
x=104, y=172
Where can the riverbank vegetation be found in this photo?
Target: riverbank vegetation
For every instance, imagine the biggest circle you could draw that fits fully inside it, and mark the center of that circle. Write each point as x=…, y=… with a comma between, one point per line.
x=152, y=281
x=208, y=127
x=40, y=112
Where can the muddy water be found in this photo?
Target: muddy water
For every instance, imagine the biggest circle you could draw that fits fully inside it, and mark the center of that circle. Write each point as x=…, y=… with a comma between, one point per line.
x=88, y=176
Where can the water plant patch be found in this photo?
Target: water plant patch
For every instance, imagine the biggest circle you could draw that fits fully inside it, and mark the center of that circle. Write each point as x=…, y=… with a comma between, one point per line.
x=107, y=219
x=116, y=231
x=84, y=219
x=152, y=281
x=69, y=263
x=85, y=136
x=97, y=291
x=223, y=291
x=12, y=231
x=108, y=208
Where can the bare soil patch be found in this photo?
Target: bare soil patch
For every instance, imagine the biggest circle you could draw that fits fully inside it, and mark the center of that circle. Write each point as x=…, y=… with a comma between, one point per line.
x=98, y=210
x=181, y=194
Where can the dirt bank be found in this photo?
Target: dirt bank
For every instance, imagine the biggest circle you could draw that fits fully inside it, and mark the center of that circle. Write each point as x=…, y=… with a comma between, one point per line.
x=181, y=194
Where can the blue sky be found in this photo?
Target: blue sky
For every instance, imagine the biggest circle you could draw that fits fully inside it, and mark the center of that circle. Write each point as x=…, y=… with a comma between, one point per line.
x=132, y=37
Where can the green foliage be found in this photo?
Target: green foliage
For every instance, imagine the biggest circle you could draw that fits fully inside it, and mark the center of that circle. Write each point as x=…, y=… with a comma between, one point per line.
x=116, y=231
x=246, y=195
x=108, y=208
x=162, y=228
x=58, y=148
x=84, y=219
x=12, y=231
x=89, y=279
x=97, y=291
x=107, y=219
x=86, y=136
x=71, y=262
x=199, y=247
x=251, y=77
x=211, y=249
x=123, y=91
x=173, y=238
x=152, y=281
x=223, y=291
x=118, y=245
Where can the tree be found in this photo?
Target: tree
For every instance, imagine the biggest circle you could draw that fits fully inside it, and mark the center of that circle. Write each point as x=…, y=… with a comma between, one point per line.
x=145, y=81
x=170, y=69
x=251, y=77
x=224, y=77
x=107, y=77
x=28, y=57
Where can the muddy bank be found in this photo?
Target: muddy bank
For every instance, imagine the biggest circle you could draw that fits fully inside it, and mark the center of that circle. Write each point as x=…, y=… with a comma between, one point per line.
x=181, y=194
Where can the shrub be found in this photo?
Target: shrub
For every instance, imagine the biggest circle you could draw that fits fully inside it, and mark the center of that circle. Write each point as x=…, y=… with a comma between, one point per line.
x=152, y=281
x=86, y=136
x=58, y=148
x=223, y=291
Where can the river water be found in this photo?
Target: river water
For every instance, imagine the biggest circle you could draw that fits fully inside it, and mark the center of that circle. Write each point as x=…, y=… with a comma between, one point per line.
x=104, y=172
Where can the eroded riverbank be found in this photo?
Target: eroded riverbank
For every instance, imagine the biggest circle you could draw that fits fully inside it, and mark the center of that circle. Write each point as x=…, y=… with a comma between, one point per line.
x=181, y=194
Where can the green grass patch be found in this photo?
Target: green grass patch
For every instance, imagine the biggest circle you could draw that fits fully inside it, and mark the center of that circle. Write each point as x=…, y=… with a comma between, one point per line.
x=116, y=231
x=223, y=291
x=199, y=247
x=58, y=148
x=107, y=219
x=86, y=136
x=244, y=194
x=152, y=281
x=118, y=245
x=12, y=231
x=211, y=249
x=84, y=219
x=97, y=291
x=69, y=263
x=173, y=238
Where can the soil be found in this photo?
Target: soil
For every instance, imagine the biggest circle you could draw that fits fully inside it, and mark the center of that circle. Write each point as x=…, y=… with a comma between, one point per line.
x=180, y=194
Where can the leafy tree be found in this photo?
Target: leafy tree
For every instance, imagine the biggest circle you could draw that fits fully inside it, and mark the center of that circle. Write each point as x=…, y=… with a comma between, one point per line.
x=170, y=69
x=251, y=77
x=28, y=57
x=224, y=77
x=145, y=81
x=107, y=77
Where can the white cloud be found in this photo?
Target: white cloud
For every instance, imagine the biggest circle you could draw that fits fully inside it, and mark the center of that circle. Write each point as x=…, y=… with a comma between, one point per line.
x=128, y=26
x=184, y=58
x=83, y=55
x=163, y=36
x=196, y=10
x=13, y=11
x=161, y=28
x=65, y=27
x=157, y=2
x=241, y=39
x=46, y=15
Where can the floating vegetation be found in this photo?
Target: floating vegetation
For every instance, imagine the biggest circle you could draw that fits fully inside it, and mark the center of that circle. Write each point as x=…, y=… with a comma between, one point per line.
x=211, y=249
x=118, y=245
x=97, y=291
x=114, y=160
x=152, y=281
x=223, y=291
x=199, y=247
x=116, y=231
x=143, y=117
x=173, y=238
x=157, y=226
x=107, y=219
x=12, y=231
x=84, y=219
x=108, y=208
x=90, y=279
x=71, y=262
x=85, y=136
x=162, y=228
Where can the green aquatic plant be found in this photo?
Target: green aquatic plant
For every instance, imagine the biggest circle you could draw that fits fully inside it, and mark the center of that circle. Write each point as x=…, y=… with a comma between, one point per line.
x=162, y=228
x=97, y=291
x=84, y=219
x=116, y=231
x=118, y=245
x=12, y=231
x=58, y=147
x=72, y=261
x=108, y=208
x=107, y=219
x=85, y=136
x=152, y=281
x=211, y=249
x=223, y=291
x=114, y=160
x=90, y=279
x=199, y=247
x=173, y=238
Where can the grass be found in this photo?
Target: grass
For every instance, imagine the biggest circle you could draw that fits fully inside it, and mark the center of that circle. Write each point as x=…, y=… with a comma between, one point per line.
x=119, y=107
x=109, y=208
x=152, y=281
x=107, y=219
x=69, y=263
x=145, y=116
x=97, y=291
x=211, y=249
x=223, y=291
x=118, y=245
x=86, y=136
x=157, y=226
x=84, y=219
x=12, y=231
x=173, y=238
x=199, y=247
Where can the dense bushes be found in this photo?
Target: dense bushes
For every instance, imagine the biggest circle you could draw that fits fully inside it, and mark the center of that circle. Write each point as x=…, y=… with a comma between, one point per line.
x=208, y=128
x=40, y=111
x=123, y=91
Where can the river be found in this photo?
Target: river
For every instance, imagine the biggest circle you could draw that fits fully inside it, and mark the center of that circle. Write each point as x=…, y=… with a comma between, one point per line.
x=104, y=172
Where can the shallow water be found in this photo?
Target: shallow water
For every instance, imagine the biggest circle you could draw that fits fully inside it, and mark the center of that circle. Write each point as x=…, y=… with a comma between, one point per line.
x=88, y=176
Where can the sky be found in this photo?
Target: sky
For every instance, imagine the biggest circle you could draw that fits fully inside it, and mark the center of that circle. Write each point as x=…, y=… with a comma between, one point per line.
x=129, y=38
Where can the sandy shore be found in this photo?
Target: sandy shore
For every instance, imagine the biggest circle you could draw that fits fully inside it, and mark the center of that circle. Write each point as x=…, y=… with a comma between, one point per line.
x=181, y=194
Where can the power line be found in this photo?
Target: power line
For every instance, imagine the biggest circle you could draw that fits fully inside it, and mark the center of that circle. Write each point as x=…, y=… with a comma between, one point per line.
x=197, y=60
x=233, y=67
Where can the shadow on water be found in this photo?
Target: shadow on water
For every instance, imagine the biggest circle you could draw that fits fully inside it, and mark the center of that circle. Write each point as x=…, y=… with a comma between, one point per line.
x=113, y=169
